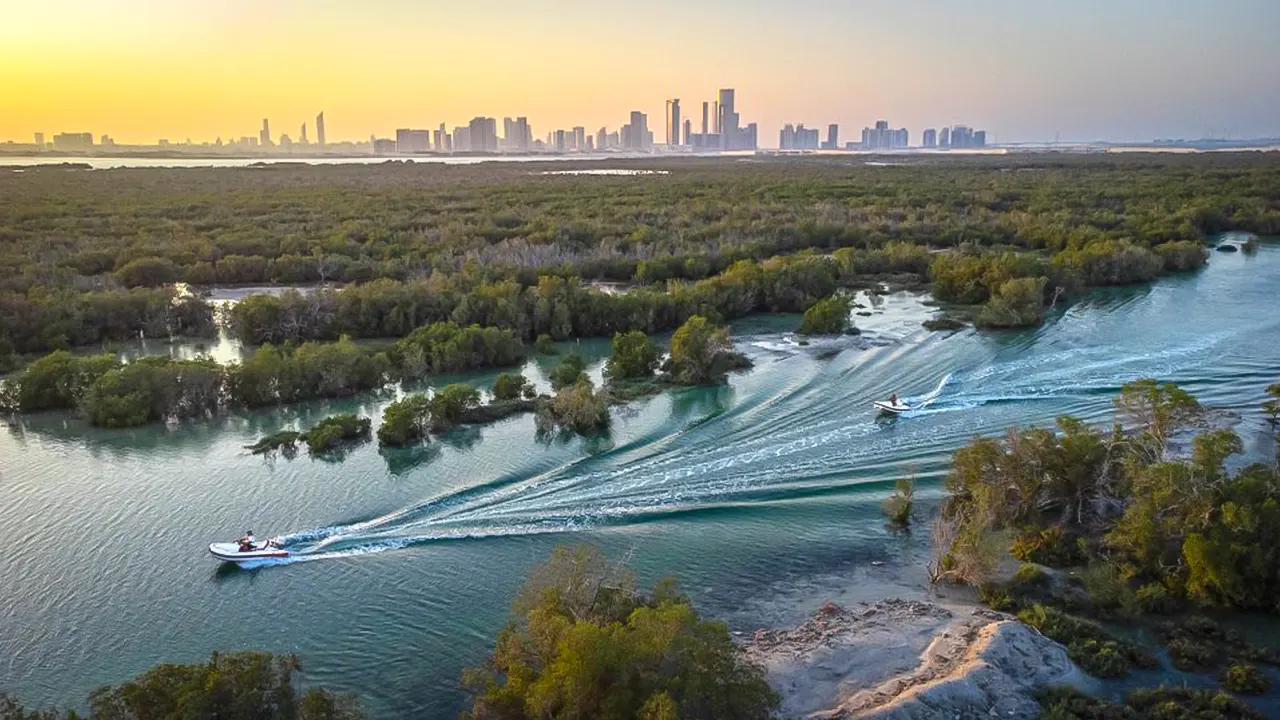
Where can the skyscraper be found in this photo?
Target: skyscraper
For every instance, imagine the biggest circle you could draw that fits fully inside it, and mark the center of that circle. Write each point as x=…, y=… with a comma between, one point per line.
x=728, y=121
x=930, y=138
x=302, y=136
x=833, y=138
x=40, y=140
x=945, y=139
x=688, y=131
x=636, y=135
x=524, y=138
x=580, y=138
x=673, y=122
x=706, y=108
x=602, y=139
x=413, y=141
x=264, y=135
x=483, y=134
x=320, y=129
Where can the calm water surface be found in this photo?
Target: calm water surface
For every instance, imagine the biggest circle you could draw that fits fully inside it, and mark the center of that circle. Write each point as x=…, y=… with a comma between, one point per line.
x=759, y=496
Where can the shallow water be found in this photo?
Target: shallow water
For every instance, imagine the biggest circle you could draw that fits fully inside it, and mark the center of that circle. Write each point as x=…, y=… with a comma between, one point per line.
x=761, y=496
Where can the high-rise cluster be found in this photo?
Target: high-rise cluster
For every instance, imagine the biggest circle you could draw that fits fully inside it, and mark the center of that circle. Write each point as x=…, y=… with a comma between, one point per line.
x=883, y=137
x=959, y=137
x=722, y=127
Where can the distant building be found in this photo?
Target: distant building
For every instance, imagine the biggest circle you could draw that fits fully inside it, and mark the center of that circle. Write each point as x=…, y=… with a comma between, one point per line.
x=706, y=109
x=729, y=120
x=980, y=138
x=320, y=129
x=264, y=135
x=635, y=134
x=40, y=140
x=590, y=144
x=673, y=122
x=108, y=141
x=483, y=134
x=73, y=142
x=930, y=139
x=579, y=138
x=302, y=135
x=833, y=138
x=383, y=146
x=286, y=143
x=944, y=140
x=462, y=139
x=523, y=137
x=798, y=137
x=413, y=141
x=602, y=139
x=688, y=131
x=883, y=137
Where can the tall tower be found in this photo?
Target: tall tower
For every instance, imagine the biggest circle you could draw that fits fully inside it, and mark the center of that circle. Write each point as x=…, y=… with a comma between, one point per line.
x=728, y=120
x=673, y=122
x=320, y=129
x=706, y=110
x=302, y=136
x=264, y=136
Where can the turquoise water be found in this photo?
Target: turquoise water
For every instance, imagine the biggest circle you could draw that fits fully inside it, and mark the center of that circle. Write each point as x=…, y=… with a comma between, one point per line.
x=759, y=496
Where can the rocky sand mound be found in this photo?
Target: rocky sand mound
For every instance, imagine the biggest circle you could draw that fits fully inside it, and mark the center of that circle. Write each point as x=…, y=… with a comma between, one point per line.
x=910, y=659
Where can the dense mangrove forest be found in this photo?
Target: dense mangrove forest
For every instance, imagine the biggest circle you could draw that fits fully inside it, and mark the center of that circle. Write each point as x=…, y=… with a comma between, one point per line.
x=93, y=256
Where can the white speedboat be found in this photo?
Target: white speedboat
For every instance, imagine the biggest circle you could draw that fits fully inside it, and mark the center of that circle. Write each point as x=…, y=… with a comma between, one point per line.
x=889, y=407
x=231, y=552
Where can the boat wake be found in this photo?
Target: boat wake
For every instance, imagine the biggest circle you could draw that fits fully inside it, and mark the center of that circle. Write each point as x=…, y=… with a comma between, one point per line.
x=801, y=428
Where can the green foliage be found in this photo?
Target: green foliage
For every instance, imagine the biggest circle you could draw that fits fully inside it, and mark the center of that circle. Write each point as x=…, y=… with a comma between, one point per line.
x=154, y=389
x=1246, y=679
x=1110, y=262
x=828, y=316
x=1182, y=255
x=446, y=347
x=1015, y=303
x=486, y=246
x=1096, y=651
x=1199, y=644
x=283, y=440
x=545, y=345
x=1164, y=703
x=1272, y=407
x=568, y=371
x=450, y=404
x=405, y=421
x=1156, y=599
x=43, y=319
x=335, y=431
x=633, y=357
x=1029, y=575
x=147, y=272
x=583, y=642
x=1184, y=528
x=578, y=408
x=56, y=381
x=898, y=505
x=510, y=386
x=1050, y=546
x=235, y=686
x=943, y=324
x=231, y=685
x=701, y=353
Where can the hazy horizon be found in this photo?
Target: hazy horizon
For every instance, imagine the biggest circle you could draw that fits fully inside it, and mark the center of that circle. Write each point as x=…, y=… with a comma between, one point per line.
x=1130, y=70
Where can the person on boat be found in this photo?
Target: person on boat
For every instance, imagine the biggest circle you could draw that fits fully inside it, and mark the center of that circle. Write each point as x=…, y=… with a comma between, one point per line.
x=247, y=542
x=893, y=399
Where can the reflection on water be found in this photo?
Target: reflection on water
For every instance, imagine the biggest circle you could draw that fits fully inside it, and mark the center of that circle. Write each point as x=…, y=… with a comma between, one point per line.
x=754, y=494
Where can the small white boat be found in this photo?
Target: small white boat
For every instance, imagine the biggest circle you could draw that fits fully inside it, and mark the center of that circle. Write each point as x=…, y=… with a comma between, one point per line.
x=888, y=407
x=231, y=552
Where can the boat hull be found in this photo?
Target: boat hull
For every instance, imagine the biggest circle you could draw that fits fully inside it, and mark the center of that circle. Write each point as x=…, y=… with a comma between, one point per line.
x=886, y=407
x=230, y=552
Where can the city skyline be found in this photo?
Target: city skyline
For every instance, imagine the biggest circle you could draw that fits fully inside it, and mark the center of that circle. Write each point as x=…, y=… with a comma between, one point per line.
x=1132, y=70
